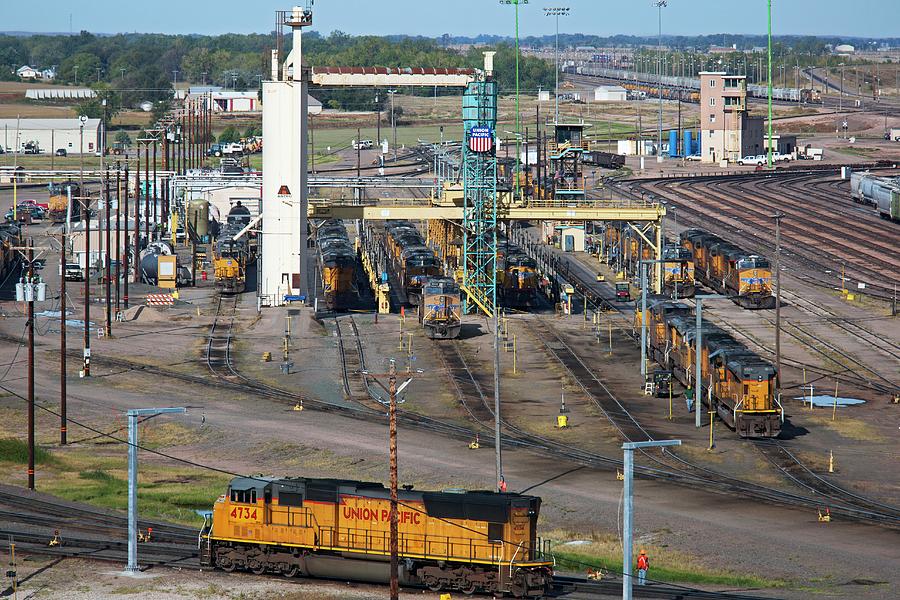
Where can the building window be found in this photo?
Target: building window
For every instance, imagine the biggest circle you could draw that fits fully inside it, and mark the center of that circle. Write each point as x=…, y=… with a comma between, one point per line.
x=712, y=118
x=712, y=101
x=712, y=83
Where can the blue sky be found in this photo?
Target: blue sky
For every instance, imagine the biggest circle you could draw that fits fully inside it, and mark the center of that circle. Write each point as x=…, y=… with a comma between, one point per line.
x=876, y=18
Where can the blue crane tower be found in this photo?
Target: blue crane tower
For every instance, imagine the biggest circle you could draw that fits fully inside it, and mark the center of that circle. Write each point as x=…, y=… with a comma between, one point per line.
x=480, y=194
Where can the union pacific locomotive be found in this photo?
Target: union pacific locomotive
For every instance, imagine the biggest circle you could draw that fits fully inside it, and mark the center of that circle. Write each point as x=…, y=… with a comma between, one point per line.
x=337, y=264
x=413, y=260
x=746, y=278
x=517, y=275
x=467, y=541
x=232, y=254
x=441, y=309
x=742, y=382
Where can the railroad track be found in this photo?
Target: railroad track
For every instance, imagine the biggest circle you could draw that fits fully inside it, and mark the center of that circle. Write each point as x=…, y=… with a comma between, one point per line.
x=701, y=202
x=218, y=345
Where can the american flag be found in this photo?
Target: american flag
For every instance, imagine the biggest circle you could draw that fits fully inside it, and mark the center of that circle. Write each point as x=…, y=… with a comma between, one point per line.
x=481, y=139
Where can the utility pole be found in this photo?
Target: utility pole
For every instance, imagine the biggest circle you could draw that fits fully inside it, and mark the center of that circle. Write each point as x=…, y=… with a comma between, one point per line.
x=86, y=211
x=147, y=191
x=769, y=154
x=62, y=332
x=377, y=123
x=118, y=233
x=108, y=261
x=137, y=219
x=358, y=147
x=125, y=249
x=393, y=122
x=30, y=321
x=660, y=4
x=393, y=389
x=778, y=217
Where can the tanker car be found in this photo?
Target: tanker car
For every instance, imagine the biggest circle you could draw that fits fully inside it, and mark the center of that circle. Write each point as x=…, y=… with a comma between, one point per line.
x=883, y=193
x=468, y=541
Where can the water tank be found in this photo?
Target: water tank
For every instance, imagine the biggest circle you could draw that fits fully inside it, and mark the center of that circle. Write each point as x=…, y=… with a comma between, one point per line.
x=688, y=142
x=673, y=143
x=198, y=217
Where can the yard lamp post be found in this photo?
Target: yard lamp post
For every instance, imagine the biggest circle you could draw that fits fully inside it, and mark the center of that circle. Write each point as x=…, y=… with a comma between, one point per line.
x=516, y=3
x=133, y=414
x=659, y=4
x=556, y=11
x=628, y=449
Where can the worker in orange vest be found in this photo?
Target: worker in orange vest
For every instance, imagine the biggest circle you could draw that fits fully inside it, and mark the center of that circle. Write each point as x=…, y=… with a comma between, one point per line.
x=643, y=563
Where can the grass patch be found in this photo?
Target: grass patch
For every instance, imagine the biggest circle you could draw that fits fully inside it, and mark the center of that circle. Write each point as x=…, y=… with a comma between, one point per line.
x=16, y=451
x=848, y=427
x=603, y=551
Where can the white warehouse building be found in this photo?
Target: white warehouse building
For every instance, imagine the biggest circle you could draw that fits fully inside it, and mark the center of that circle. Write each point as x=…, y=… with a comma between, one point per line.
x=610, y=93
x=50, y=134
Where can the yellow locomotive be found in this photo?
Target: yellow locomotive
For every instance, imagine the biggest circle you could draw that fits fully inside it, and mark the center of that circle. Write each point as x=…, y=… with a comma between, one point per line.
x=468, y=541
x=742, y=382
x=413, y=260
x=441, y=309
x=678, y=272
x=337, y=263
x=726, y=268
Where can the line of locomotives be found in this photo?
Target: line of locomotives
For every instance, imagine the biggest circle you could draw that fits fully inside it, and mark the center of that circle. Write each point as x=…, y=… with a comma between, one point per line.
x=701, y=257
x=472, y=541
x=742, y=384
x=231, y=254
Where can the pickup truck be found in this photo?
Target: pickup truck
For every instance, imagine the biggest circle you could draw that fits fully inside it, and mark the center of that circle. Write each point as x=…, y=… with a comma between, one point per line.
x=232, y=148
x=362, y=144
x=73, y=272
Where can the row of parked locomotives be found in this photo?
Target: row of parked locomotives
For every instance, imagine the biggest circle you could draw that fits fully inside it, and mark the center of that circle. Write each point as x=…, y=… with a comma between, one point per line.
x=517, y=275
x=726, y=268
x=337, y=264
x=467, y=541
x=625, y=250
x=883, y=193
x=232, y=254
x=742, y=383
x=412, y=259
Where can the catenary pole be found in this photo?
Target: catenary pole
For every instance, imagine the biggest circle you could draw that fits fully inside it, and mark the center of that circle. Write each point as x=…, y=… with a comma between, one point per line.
x=30, y=322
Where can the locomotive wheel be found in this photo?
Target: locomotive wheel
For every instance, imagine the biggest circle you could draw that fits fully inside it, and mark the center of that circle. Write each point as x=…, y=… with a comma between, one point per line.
x=292, y=571
x=227, y=565
x=468, y=588
x=258, y=568
x=433, y=584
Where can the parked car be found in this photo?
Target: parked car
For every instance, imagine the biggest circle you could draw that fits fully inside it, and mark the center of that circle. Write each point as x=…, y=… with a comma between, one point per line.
x=74, y=272
x=23, y=211
x=779, y=157
x=756, y=160
x=61, y=152
x=692, y=157
x=363, y=144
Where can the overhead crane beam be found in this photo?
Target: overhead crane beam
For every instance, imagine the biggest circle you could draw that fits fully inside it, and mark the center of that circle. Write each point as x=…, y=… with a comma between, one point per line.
x=543, y=213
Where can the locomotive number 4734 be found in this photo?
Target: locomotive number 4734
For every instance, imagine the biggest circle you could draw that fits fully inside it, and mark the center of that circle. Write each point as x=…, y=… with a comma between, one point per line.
x=243, y=513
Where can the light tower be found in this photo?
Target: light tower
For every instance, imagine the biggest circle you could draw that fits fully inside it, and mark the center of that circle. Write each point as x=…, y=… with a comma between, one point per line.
x=659, y=4
x=556, y=11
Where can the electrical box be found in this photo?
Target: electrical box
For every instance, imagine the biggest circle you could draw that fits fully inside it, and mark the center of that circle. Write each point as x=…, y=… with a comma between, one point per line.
x=166, y=270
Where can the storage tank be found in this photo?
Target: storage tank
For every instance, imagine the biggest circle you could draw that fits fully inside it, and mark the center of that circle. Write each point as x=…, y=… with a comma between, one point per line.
x=697, y=142
x=673, y=143
x=198, y=218
x=688, y=142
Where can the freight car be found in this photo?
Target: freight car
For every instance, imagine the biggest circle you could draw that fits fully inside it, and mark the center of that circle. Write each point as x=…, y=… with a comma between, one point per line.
x=58, y=205
x=413, y=260
x=337, y=264
x=467, y=541
x=742, y=383
x=883, y=193
x=440, y=311
x=605, y=160
x=745, y=278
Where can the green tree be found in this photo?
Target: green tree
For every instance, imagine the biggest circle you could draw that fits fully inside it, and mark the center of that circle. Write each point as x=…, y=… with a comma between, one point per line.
x=230, y=134
x=123, y=138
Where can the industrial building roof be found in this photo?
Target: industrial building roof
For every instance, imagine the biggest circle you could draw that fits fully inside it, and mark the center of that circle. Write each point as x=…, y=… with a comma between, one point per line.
x=48, y=124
